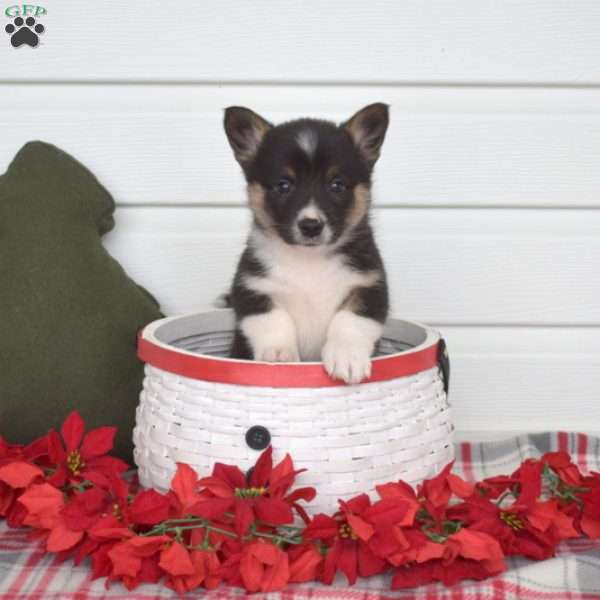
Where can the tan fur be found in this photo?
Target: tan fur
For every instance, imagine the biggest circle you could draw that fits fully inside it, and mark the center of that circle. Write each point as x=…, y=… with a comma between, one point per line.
x=256, y=201
x=360, y=205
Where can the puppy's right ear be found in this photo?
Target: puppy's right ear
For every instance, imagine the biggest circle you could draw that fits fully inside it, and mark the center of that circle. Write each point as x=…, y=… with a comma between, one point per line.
x=245, y=131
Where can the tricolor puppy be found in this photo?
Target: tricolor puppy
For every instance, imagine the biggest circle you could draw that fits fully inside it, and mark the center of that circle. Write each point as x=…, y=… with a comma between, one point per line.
x=310, y=284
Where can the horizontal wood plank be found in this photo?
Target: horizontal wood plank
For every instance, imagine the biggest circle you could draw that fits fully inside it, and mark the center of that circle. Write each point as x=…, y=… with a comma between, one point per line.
x=448, y=266
x=483, y=41
x=445, y=147
x=514, y=379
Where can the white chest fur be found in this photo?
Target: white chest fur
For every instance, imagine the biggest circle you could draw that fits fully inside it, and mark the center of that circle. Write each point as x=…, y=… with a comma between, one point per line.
x=308, y=283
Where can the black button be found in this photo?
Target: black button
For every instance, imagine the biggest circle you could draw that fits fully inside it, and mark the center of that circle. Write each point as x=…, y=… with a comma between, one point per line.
x=258, y=437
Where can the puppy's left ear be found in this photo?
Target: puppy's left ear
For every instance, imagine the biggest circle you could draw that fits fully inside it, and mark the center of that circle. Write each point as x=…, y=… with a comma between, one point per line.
x=367, y=128
x=245, y=131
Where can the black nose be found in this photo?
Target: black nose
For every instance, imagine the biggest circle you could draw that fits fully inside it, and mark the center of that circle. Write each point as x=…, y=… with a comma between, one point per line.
x=310, y=227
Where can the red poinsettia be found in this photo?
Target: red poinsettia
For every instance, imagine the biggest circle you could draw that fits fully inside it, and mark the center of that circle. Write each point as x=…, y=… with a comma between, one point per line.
x=530, y=530
x=204, y=564
x=15, y=475
x=135, y=560
x=264, y=567
x=306, y=563
x=589, y=501
x=347, y=536
x=282, y=478
x=438, y=490
x=577, y=495
x=260, y=496
x=14, y=478
x=461, y=555
x=10, y=452
x=529, y=481
x=563, y=466
x=78, y=455
x=45, y=504
x=432, y=496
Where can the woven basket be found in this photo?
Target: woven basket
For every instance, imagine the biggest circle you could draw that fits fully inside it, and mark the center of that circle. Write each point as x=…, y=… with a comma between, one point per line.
x=199, y=407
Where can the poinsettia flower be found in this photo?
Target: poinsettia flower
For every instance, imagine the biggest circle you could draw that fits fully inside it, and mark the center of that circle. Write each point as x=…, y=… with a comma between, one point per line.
x=230, y=554
x=19, y=474
x=86, y=508
x=78, y=455
x=306, y=563
x=590, y=518
x=494, y=487
x=529, y=478
x=45, y=504
x=184, y=489
x=347, y=534
x=563, y=466
x=282, y=478
x=204, y=560
x=15, y=476
x=147, y=507
x=464, y=554
x=418, y=574
x=112, y=497
x=136, y=559
x=204, y=572
x=10, y=452
x=175, y=560
x=531, y=530
x=424, y=510
x=264, y=567
x=435, y=493
x=248, y=500
x=546, y=516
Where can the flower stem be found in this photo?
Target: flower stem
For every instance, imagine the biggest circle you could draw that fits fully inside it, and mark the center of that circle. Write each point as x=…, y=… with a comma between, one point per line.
x=503, y=497
x=173, y=526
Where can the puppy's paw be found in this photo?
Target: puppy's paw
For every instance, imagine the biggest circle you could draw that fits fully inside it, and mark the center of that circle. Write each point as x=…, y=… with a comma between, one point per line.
x=349, y=362
x=278, y=354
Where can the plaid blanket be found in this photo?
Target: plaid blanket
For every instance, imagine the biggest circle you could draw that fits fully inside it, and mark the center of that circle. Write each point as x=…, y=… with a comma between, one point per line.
x=26, y=573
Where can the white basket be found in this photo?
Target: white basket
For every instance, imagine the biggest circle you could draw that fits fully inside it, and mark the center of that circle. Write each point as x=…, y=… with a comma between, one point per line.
x=197, y=407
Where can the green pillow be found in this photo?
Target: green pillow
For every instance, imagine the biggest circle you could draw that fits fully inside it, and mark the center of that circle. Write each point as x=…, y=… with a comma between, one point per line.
x=69, y=314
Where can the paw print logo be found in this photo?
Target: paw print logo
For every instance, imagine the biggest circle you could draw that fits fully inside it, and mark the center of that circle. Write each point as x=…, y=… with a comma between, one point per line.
x=24, y=32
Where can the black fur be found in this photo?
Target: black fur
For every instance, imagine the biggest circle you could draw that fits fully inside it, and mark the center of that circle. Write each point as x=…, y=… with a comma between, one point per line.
x=246, y=302
x=363, y=255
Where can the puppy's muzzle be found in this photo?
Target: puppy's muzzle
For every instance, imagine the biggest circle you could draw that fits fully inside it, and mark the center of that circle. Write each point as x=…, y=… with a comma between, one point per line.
x=310, y=228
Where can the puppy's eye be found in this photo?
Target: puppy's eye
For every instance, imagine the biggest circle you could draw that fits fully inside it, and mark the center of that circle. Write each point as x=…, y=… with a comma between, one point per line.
x=337, y=186
x=283, y=186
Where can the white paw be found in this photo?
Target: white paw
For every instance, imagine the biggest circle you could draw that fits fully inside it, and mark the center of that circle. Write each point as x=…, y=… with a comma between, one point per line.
x=349, y=362
x=278, y=354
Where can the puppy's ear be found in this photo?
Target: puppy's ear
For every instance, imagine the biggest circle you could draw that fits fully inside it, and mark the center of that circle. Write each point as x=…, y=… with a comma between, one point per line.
x=367, y=128
x=245, y=131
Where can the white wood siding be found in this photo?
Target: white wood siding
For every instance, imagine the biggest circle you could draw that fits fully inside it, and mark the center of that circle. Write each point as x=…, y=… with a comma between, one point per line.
x=487, y=193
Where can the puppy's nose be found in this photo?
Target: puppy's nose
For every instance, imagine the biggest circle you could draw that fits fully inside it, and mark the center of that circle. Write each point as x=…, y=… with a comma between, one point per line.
x=310, y=227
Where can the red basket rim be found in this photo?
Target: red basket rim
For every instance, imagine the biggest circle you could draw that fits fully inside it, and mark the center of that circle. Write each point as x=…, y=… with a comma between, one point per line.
x=280, y=375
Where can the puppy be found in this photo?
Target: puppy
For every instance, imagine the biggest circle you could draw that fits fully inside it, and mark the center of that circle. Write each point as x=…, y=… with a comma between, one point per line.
x=310, y=284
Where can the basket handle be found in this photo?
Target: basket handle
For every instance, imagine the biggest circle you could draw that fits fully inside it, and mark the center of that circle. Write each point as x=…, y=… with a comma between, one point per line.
x=444, y=363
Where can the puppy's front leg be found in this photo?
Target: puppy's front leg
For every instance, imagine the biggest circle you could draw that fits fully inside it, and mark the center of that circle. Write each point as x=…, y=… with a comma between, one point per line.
x=350, y=343
x=271, y=335
x=354, y=331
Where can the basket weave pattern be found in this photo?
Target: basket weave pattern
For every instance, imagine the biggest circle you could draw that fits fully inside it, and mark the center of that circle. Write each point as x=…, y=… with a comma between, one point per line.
x=349, y=438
